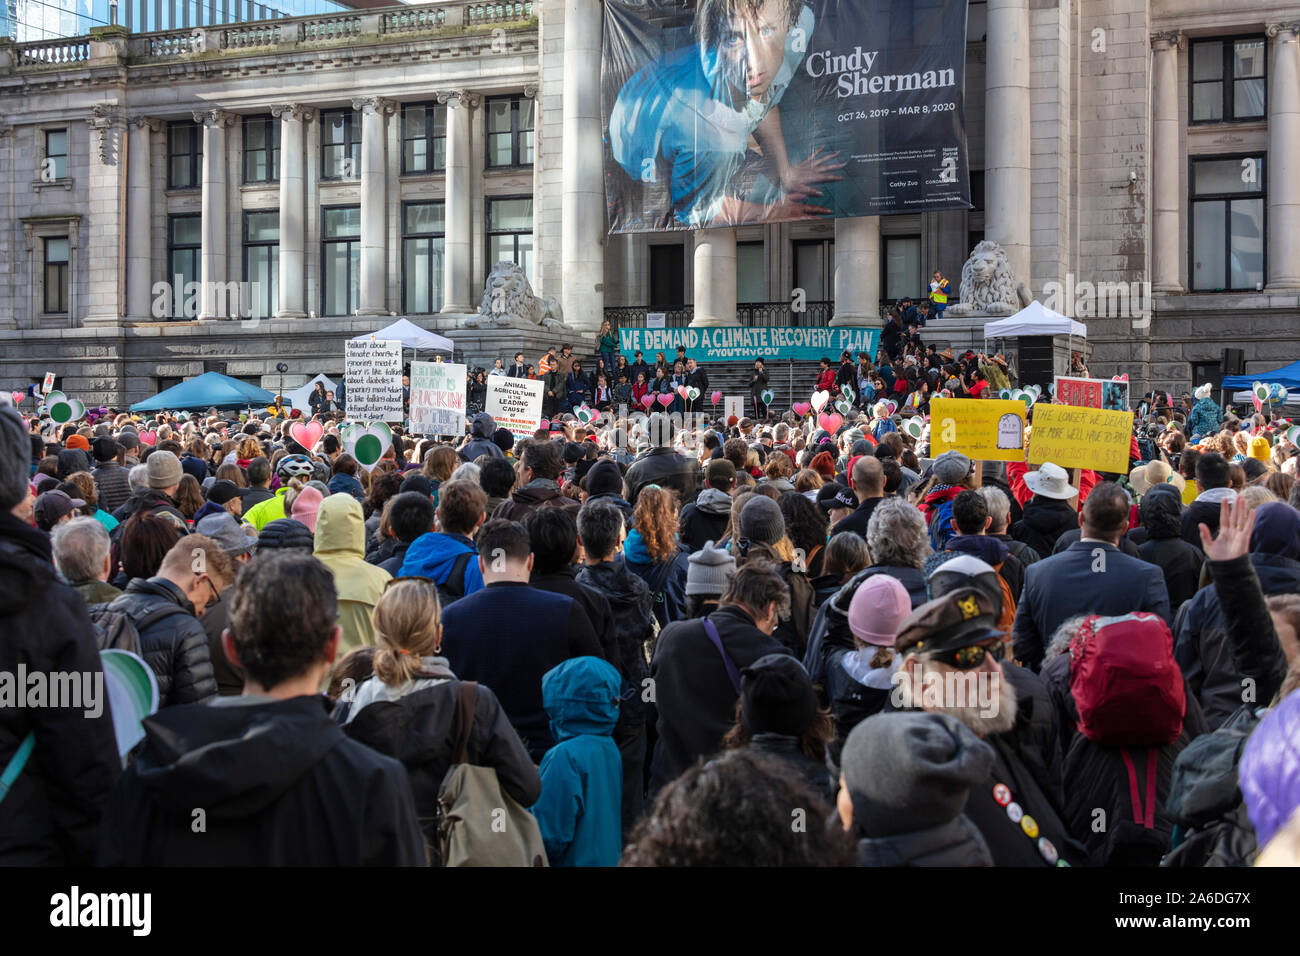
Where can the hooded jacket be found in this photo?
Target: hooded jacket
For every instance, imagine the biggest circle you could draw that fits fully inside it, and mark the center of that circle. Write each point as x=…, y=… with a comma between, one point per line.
x=263, y=513
x=51, y=815
x=580, y=810
x=955, y=843
x=175, y=646
x=631, y=604
x=1205, y=510
x=481, y=430
x=538, y=493
x=433, y=555
x=280, y=785
x=665, y=468
x=348, y=485
x=1181, y=562
x=989, y=550
x=704, y=519
x=152, y=502
x=1204, y=418
x=340, y=546
x=1043, y=521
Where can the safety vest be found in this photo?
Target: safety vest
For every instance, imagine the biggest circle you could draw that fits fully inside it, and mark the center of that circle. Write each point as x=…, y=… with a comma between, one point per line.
x=939, y=295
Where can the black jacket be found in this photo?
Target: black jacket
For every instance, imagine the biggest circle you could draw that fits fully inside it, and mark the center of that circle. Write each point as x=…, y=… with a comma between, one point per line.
x=1042, y=522
x=704, y=519
x=813, y=772
x=524, y=501
x=152, y=502
x=51, y=815
x=665, y=468
x=695, y=696
x=858, y=519
x=1196, y=514
x=175, y=646
x=565, y=581
x=421, y=731
x=277, y=782
x=631, y=607
x=112, y=485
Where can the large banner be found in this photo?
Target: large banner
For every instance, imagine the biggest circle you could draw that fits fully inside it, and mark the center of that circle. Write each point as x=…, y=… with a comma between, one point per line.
x=515, y=403
x=372, y=371
x=437, y=398
x=729, y=343
x=720, y=112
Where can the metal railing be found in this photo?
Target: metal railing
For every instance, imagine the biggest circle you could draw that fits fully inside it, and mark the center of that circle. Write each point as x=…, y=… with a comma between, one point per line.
x=52, y=52
x=752, y=314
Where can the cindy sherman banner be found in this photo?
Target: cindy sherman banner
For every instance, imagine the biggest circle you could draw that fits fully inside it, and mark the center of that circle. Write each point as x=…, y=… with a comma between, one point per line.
x=731, y=343
x=721, y=112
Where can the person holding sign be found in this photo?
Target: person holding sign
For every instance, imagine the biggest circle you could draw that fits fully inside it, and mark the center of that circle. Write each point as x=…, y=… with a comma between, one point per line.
x=757, y=385
x=938, y=293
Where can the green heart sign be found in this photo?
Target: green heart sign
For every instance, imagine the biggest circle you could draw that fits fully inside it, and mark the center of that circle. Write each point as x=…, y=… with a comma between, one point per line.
x=63, y=409
x=848, y=393
x=367, y=443
x=692, y=393
x=584, y=414
x=766, y=396
x=914, y=428
x=844, y=406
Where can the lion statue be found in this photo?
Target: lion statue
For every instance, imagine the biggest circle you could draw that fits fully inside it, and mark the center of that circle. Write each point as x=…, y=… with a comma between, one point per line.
x=987, y=284
x=508, y=301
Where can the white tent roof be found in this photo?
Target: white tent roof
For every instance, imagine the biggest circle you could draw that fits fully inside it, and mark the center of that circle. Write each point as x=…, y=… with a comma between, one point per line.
x=410, y=335
x=298, y=398
x=1035, y=319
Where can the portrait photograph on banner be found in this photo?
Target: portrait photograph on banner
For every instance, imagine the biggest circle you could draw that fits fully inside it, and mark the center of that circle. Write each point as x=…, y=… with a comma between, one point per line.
x=725, y=112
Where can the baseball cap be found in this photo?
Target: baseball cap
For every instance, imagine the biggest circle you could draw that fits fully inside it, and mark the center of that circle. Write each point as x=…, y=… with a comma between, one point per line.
x=53, y=505
x=223, y=490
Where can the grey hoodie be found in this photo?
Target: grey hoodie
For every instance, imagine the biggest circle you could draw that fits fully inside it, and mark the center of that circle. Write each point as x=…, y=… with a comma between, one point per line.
x=481, y=430
x=714, y=502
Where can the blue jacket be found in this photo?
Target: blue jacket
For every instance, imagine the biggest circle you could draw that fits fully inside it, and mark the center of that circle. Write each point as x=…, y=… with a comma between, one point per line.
x=672, y=606
x=580, y=810
x=347, y=485
x=1204, y=418
x=432, y=556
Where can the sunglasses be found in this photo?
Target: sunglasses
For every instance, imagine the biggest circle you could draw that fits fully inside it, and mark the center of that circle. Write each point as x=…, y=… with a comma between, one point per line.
x=971, y=657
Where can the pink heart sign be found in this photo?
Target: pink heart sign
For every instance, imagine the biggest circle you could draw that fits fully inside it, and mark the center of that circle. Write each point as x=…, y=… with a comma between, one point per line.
x=1120, y=378
x=647, y=400
x=665, y=398
x=892, y=406
x=681, y=390
x=801, y=408
x=716, y=396
x=306, y=434
x=148, y=438
x=18, y=397
x=830, y=422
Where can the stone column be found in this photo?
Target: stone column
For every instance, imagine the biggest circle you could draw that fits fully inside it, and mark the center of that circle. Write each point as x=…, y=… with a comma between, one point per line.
x=105, y=225
x=293, y=209
x=8, y=251
x=214, y=301
x=857, y=271
x=374, y=202
x=1166, y=197
x=457, y=260
x=139, y=220
x=1006, y=133
x=715, y=277
x=1284, y=157
x=583, y=222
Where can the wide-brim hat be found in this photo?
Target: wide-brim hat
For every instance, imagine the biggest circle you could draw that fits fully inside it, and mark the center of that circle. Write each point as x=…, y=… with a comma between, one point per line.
x=1051, y=481
x=1001, y=360
x=946, y=353
x=1155, y=473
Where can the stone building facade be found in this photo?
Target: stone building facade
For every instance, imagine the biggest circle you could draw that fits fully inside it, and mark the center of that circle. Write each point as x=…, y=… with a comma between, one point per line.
x=309, y=178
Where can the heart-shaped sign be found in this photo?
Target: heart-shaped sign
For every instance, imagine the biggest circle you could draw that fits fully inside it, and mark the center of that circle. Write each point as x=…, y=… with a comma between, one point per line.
x=892, y=406
x=800, y=408
x=717, y=397
x=1036, y=389
x=1259, y=395
x=367, y=443
x=1293, y=435
x=665, y=398
x=584, y=414
x=647, y=400
x=766, y=396
x=692, y=393
x=1027, y=397
x=914, y=428
x=947, y=393
x=148, y=438
x=1004, y=394
x=18, y=397
x=831, y=422
x=848, y=394
x=682, y=390
x=1120, y=378
x=844, y=406
x=63, y=409
x=819, y=400
x=306, y=434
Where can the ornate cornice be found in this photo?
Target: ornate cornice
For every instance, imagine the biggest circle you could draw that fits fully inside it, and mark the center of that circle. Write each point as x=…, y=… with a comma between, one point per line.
x=1276, y=29
x=152, y=123
x=104, y=118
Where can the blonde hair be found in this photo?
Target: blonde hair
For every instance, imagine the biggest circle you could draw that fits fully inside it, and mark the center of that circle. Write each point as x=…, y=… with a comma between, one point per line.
x=407, y=623
x=296, y=485
x=1256, y=495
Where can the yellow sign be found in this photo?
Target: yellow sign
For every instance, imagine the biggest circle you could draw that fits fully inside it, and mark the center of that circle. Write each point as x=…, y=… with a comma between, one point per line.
x=1081, y=437
x=982, y=429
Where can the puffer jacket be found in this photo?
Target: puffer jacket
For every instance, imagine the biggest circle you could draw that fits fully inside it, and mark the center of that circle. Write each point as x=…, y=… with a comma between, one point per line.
x=1161, y=510
x=175, y=646
x=955, y=843
x=1044, y=520
x=1204, y=418
x=665, y=468
x=112, y=485
x=480, y=443
x=340, y=546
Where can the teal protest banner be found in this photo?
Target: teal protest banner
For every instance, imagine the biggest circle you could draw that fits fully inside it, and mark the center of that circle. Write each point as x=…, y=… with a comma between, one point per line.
x=731, y=343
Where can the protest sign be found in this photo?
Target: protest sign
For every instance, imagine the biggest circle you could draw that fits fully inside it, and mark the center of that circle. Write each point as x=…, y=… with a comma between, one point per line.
x=1091, y=393
x=984, y=430
x=746, y=343
x=438, y=398
x=733, y=405
x=48, y=385
x=515, y=403
x=1081, y=437
x=373, y=377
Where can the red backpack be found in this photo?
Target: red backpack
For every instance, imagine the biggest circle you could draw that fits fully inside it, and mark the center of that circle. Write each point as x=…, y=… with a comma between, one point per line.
x=1126, y=686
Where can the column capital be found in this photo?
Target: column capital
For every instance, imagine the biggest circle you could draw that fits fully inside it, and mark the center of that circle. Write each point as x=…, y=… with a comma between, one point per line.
x=531, y=91
x=104, y=119
x=1275, y=30
x=1168, y=40
x=295, y=111
x=215, y=119
x=374, y=104
x=456, y=98
x=152, y=123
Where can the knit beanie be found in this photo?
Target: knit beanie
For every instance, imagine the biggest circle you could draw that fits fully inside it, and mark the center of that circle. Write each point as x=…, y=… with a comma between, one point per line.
x=78, y=441
x=761, y=520
x=709, y=570
x=603, y=478
x=777, y=696
x=1260, y=448
x=878, y=607
x=306, y=507
x=284, y=534
x=164, y=469
x=15, y=458
x=910, y=771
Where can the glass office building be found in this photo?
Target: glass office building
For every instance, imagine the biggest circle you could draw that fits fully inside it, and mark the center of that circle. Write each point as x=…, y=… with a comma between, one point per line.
x=30, y=20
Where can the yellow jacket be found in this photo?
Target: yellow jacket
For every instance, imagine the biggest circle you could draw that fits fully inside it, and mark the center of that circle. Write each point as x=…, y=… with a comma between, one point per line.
x=340, y=546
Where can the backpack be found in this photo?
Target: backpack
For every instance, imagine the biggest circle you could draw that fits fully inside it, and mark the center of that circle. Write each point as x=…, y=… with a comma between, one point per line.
x=480, y=824
x=118, y=630
x=453, y=586
x=941, y=530
x=1008, y=616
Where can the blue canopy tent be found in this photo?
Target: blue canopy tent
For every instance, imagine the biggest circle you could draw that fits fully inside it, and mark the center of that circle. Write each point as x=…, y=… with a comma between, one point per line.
x=1287, y=376
x=211, y=389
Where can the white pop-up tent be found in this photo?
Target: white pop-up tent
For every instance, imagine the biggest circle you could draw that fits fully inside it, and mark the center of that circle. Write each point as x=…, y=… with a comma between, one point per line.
x=1035, y=319
x=411, y=336
x=299, y=397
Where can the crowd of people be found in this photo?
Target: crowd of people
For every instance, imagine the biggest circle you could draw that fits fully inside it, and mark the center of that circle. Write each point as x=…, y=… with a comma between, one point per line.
x=657, y=638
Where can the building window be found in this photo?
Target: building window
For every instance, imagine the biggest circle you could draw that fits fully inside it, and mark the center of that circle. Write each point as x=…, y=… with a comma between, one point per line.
x=1228, y=80
x=184, y=155
x=341, y=260
x=184, y=242
x=340, y=145
x=814, y=268
x=424, y=138
x=261, y=149
x=1227, y=227
x=751, y=284
x=510, y=131
x=423, y=228
x=510, y=232
x=56, y=156
x=667, y=277
x=261, y=263
x=902, y=267
x=56, y=276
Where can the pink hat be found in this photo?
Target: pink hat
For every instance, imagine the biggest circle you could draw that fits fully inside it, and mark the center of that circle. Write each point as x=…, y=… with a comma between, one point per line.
x=306, y=506
x=879, y=606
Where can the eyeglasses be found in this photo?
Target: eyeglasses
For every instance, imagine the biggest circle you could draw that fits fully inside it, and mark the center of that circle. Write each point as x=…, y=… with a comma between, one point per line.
x=971, y=657
x=216, y=595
